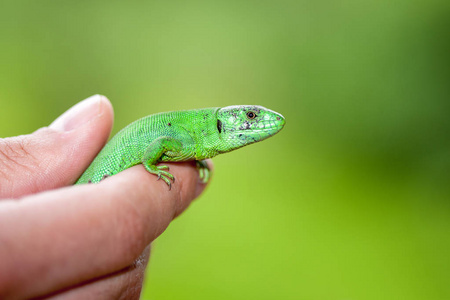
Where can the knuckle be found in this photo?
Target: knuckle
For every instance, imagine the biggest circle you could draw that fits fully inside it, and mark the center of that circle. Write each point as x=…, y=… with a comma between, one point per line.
x=15, y=154
x=25, y=161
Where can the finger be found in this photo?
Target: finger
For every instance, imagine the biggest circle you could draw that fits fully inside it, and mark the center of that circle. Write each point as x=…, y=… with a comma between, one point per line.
x=63, y=237
x=55, y=156
x=124, y=284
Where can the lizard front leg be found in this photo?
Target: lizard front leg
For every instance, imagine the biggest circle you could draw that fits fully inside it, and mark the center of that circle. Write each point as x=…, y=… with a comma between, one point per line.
x=153, y=154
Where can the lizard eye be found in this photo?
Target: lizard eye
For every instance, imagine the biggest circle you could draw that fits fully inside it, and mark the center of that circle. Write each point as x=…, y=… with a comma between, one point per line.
x=251, y=115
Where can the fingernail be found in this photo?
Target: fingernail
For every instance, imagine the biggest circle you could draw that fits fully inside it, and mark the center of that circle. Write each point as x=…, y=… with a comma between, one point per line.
x=79, y=114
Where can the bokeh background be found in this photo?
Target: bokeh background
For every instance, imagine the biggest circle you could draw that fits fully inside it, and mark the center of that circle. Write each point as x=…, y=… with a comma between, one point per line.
x=349, y=201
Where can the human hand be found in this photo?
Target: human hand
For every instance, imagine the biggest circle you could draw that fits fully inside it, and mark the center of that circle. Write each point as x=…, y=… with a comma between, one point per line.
x=88, y=241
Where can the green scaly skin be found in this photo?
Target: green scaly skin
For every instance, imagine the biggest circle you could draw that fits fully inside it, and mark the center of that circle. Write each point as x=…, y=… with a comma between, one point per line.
x=182, y=136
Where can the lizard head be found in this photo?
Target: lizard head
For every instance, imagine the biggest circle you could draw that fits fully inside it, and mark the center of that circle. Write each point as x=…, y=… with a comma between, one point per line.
x=241, y=125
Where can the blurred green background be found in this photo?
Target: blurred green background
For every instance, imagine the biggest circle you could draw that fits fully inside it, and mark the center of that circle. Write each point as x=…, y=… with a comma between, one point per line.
x=349, y=201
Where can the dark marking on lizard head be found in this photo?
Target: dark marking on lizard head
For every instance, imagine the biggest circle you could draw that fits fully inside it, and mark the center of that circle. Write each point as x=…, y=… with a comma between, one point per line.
x=244, y=126
x=89, y=181
x=169, y=124
x=105, y=176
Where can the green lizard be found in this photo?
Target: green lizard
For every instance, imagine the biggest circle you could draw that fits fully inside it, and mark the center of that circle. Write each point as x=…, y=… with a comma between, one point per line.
x=181, y=136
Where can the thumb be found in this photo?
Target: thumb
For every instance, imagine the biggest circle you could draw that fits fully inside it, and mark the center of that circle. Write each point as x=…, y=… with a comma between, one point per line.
x=55, y=156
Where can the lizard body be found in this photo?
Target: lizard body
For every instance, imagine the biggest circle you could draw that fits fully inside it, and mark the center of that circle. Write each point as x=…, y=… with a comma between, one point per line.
x=182, y=136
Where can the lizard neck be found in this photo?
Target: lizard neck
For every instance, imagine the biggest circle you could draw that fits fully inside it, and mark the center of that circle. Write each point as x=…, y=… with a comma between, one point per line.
x=205, y=133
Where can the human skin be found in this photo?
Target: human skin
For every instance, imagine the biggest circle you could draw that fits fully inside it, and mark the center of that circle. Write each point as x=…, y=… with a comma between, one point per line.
x=90, y=241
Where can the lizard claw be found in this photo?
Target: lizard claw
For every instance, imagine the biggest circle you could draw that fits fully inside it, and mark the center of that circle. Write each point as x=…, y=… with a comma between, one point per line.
x=203, y=170
x=161, y=174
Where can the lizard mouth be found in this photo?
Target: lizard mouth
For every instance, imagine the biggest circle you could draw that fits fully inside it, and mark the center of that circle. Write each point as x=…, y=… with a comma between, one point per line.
x=262, y=126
